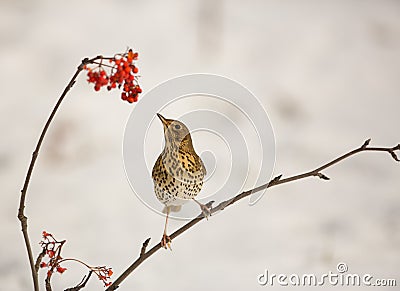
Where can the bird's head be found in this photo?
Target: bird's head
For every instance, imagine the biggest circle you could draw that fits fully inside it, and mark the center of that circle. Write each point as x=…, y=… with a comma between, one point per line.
x=176, y=133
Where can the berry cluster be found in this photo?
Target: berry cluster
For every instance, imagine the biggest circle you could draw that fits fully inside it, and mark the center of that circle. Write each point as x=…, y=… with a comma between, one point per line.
x=104, y=274
x=52, y=248
x=123, y=74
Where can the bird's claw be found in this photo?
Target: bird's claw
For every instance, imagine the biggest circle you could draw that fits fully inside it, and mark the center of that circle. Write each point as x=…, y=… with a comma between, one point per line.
x=206, y=210
x=166, y=242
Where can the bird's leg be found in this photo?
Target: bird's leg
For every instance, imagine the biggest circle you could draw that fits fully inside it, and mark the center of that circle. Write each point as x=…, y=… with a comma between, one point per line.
x=204, y=208
x=166, y=240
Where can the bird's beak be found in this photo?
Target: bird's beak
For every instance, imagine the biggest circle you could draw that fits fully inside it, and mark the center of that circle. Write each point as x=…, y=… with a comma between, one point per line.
x=162, y=118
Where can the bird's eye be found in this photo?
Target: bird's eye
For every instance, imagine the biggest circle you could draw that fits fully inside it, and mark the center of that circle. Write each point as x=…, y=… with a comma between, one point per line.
x=177, y=126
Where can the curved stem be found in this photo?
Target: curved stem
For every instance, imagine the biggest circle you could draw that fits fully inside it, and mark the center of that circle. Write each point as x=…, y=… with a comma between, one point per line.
x=274, y=182
x=75, y=260
x=21, y=215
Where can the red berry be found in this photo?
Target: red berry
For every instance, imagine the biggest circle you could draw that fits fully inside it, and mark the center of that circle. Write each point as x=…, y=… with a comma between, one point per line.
x=61, y=269
x=50, y=253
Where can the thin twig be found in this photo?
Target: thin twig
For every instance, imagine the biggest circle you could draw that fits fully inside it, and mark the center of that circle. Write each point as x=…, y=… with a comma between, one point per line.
x=144, y=246
x=39, y=260
x=274, y=182
x=82, y=284
x=21, y=215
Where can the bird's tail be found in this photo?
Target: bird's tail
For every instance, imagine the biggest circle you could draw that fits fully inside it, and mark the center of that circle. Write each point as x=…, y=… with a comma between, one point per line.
x=172, y=208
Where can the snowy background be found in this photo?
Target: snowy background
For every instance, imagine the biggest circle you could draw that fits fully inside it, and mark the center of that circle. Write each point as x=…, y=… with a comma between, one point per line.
x=326, y=71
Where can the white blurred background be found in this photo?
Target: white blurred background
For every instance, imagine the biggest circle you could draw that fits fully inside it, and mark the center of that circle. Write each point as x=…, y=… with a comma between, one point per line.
x=326, y=71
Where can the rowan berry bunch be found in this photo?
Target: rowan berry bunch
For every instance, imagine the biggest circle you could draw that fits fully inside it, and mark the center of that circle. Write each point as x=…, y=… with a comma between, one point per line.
x=104, y=274
x=52, y=249
x=122, y=74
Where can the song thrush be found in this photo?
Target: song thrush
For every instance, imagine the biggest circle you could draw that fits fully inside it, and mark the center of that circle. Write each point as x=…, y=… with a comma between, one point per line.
x=178, y=172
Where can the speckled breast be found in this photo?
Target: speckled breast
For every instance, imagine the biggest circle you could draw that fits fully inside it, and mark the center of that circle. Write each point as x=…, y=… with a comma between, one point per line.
x=177, y=178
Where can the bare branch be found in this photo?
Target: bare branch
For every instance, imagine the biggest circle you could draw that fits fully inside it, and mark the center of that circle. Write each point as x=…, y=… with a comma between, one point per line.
x=366, y=143
x=322, y=176
x=276, y=179
x=81, y=284
x=39, y=260
x=47, y=284
x=144, y=246
x=274, y=182
x=21, y=216
x=392, y=152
